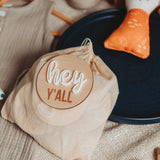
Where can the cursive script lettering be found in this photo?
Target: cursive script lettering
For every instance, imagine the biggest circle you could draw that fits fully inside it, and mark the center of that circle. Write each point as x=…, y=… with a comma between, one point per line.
x=65, y=77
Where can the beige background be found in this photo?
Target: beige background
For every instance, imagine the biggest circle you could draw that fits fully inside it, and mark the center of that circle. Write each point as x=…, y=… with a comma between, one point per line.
x=118, y=142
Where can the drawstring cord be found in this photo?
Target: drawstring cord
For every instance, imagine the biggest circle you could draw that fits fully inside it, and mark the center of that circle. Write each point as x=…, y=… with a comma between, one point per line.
x=86, y=41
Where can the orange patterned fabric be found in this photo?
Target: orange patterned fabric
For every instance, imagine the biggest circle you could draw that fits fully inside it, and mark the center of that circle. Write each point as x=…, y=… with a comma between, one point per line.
x=133, y=35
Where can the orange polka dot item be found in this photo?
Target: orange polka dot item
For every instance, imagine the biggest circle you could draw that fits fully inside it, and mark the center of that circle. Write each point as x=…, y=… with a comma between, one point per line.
x=133, y=34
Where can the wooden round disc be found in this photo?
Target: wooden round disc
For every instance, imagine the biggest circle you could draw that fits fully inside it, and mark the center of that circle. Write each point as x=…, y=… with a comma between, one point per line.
x=64, y=81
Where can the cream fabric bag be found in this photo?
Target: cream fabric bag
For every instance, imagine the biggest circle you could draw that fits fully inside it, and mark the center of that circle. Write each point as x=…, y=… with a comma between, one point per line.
x=68, y=133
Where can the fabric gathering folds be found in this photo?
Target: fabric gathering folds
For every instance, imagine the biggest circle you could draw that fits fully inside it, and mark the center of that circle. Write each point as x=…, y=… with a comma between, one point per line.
x=70, y=133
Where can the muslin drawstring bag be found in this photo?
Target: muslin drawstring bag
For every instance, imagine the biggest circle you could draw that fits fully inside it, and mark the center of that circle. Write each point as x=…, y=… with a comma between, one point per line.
x=63, y=101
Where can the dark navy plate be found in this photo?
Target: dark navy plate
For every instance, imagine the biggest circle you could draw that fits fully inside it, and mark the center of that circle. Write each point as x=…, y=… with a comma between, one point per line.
x=139, y=80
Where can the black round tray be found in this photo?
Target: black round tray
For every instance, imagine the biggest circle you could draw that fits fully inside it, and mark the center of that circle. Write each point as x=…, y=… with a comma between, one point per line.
x=138, y=79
